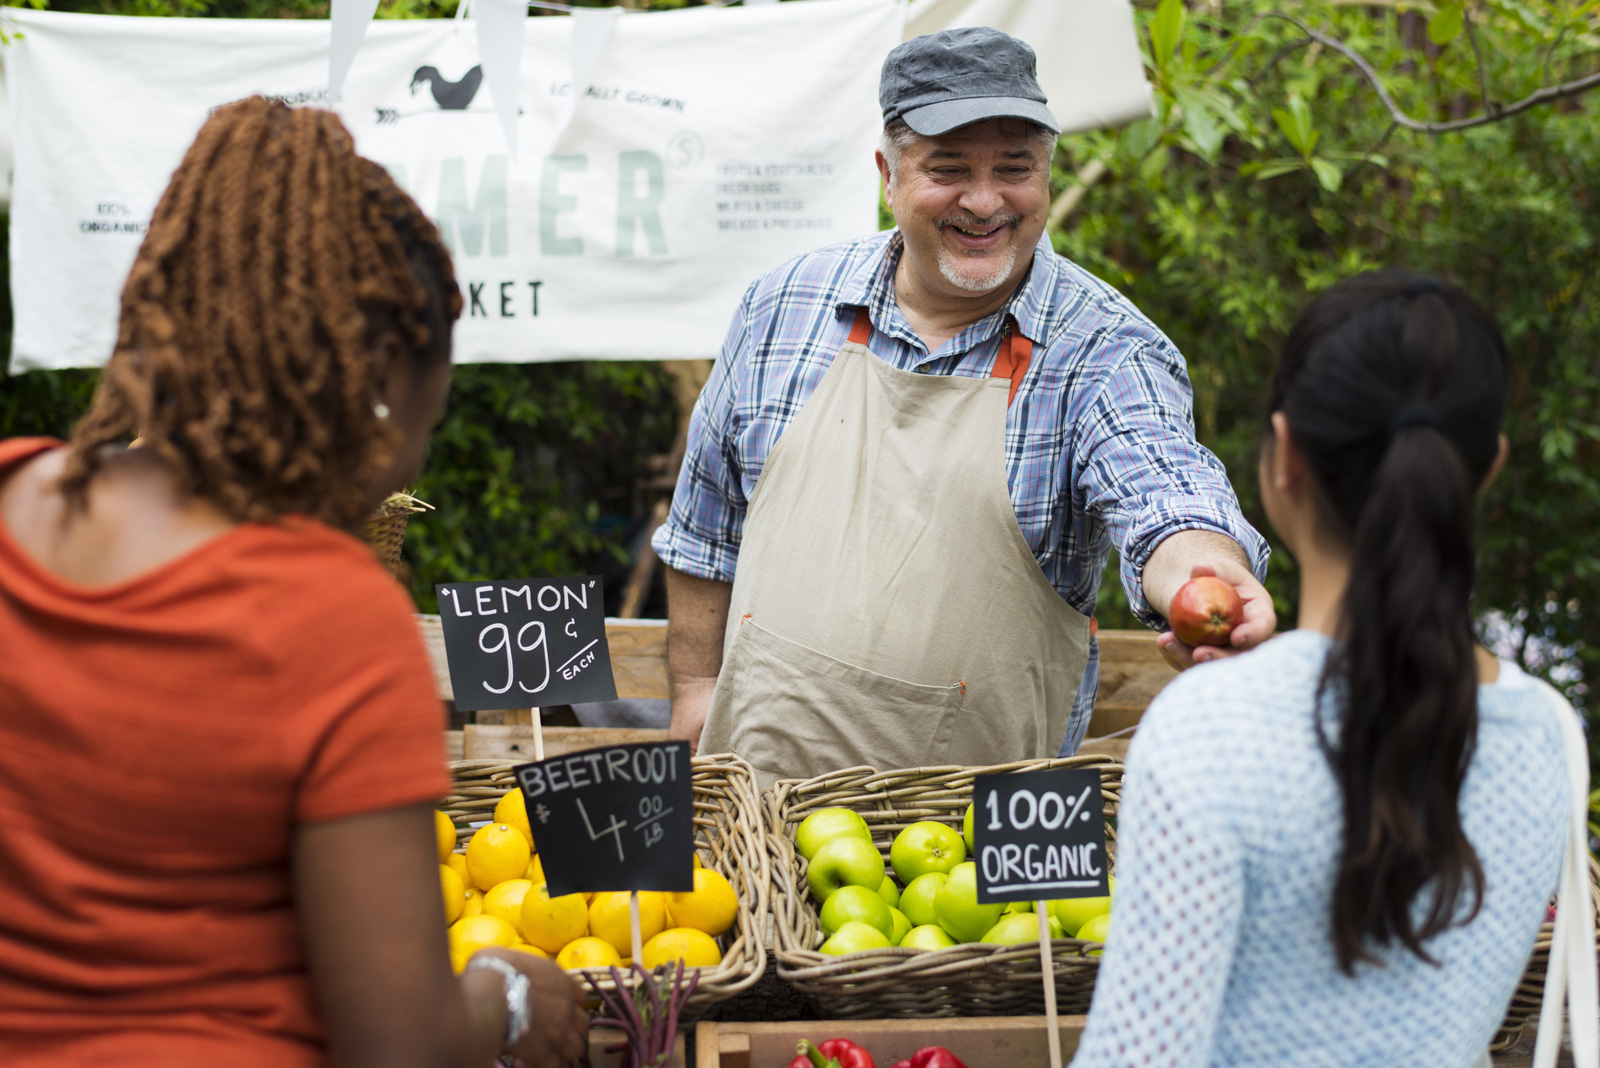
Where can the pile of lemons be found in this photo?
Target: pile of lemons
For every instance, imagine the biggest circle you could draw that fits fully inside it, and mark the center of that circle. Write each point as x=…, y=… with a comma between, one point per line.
x=495, y=895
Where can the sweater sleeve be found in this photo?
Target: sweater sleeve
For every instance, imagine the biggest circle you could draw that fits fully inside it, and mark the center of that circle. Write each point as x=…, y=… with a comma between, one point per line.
x=1179, y=902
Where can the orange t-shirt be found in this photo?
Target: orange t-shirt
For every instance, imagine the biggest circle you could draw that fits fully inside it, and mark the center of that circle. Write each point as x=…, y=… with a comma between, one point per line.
x=160, y=738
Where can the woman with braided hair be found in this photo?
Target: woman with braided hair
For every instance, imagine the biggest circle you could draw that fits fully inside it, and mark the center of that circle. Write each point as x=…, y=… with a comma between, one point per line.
x=219, y=740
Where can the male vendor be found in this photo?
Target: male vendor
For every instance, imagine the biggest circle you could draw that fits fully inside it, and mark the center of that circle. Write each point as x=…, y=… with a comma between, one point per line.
x=906, y=471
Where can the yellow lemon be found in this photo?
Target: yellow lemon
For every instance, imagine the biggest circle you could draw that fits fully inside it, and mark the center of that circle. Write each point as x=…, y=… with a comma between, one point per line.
x=445, y=833
x=588, y=952
x=697, y=863
x=550, y=923
x=474, y=903
x=711, y=907
x=505, y=901
x=535, y=873
x=513, y=812
x=457, y=862
x=608, y=917
x=523, y=947
x=455, y=894
x=471, y=934
x=495, y=854
x=695, y=948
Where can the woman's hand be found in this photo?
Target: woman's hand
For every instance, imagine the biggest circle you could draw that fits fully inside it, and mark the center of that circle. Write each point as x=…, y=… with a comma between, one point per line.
x=560, y=1026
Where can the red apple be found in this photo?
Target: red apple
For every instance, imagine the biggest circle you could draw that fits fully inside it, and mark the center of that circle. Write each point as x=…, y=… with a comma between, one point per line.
x=1205, y=611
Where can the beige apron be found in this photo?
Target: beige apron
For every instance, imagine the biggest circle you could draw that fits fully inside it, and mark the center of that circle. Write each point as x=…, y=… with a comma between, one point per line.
x=886, y=608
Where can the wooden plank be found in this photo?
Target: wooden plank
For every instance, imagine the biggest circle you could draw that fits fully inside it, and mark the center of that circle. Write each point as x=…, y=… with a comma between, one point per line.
x=638, y=656
x=1132, y=672
x=455, y=745
x=1012, y=1041
x=514, y=742
x=639, y=659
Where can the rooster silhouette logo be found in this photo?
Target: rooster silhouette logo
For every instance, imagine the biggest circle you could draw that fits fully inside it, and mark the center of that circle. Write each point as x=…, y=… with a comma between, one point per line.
x=450, y=96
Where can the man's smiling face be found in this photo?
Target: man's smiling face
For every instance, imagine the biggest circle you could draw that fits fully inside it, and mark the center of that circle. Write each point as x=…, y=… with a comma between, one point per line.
x=971, y=204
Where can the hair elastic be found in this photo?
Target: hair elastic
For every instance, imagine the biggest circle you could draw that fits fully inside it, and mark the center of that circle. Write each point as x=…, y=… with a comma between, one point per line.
x=1414, y=415
x=1423, y=286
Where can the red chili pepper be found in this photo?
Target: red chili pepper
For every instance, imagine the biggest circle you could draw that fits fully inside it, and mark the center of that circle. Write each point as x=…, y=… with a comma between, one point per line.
x=935, y=1057
x=834, y=1053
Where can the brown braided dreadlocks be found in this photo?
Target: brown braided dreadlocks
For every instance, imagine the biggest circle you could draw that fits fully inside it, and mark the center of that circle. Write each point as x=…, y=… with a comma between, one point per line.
x=243, y=355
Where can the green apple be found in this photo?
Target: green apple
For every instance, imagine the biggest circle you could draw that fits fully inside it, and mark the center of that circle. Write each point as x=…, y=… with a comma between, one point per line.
x=856, y=904
x=854, y=937
x=923, y=847
x=957, y=909
x=1096, y=930
x=1055, y=928
x=928, y=936
x=826, y=824
x=1013, y=928
x=916, y=900
x=1020, y=906
x=889, y=892
x=1074, y=912
x=966, y=830
x=902, y=926
x=847, y=861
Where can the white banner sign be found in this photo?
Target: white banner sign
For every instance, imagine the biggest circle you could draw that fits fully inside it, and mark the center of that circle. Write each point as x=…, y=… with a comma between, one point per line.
x=704, y=147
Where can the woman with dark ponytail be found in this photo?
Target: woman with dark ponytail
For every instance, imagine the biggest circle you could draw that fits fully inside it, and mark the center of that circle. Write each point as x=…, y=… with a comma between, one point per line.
x=1338, y=850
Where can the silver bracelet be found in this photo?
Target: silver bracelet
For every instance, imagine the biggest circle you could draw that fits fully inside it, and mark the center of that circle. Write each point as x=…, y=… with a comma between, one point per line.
x=518, y=1018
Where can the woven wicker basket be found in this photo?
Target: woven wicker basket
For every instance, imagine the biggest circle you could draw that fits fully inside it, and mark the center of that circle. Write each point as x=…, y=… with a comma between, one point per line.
x=385, y=529
x=1524, y=1010
x=966, y=980
x=728, y=837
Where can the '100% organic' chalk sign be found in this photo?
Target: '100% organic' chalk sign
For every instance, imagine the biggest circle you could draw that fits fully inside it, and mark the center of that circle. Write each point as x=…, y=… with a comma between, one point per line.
x=616, y=818
x=1038, y=835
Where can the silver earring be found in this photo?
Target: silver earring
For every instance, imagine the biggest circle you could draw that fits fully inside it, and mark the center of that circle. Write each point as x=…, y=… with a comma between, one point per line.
x=381, y=410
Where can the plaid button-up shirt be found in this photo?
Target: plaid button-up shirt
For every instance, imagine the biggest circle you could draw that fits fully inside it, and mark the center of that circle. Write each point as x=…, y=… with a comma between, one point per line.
x=1100, y=446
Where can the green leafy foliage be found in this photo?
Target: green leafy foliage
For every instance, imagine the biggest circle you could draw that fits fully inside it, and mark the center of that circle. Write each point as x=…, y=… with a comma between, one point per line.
x=532, y=471
x=1221, y=246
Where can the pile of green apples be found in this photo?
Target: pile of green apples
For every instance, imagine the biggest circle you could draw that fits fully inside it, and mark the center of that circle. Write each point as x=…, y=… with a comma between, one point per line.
x=935, y=902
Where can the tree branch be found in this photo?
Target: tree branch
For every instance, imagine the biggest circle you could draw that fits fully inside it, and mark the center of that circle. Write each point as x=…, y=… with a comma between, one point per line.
x=1546, y=95
x=1067, y=201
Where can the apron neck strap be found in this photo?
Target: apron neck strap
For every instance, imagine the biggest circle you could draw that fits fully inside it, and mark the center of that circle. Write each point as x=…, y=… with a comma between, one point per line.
x=1016, y=351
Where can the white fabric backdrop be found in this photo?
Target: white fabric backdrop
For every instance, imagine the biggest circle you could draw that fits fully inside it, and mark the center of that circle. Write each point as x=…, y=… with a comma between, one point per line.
x=708, y=146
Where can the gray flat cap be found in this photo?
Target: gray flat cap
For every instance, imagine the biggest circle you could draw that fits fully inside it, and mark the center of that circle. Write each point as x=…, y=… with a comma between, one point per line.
x=941, y=81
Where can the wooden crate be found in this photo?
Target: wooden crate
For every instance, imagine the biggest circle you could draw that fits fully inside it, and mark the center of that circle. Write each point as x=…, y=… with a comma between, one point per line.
x=983, y=1042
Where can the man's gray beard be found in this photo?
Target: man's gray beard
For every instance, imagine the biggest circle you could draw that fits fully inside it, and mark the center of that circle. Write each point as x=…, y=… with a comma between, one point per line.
x=981, y=284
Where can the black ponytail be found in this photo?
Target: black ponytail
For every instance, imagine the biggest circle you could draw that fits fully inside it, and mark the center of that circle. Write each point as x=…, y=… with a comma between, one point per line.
x=1393, y=385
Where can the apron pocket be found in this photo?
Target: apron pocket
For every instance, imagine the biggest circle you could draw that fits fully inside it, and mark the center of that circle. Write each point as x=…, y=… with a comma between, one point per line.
x=802, y=713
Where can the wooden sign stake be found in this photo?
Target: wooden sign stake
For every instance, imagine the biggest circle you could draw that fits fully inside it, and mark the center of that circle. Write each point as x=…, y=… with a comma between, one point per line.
x=538, y=735
x=634, y=925
x=1052, y=1029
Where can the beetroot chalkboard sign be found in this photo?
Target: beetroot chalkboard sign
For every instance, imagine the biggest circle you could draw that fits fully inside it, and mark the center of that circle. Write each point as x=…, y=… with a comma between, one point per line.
x=526, y=642
x=619, y=817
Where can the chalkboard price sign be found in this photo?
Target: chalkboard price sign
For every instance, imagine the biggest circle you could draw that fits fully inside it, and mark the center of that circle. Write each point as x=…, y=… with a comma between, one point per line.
x=616, y=818
x=526, y=643
x=1039, y=835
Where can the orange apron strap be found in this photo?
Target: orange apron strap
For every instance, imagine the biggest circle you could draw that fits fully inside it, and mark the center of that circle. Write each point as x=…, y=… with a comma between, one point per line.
x=861, y=329
x=1015, y=353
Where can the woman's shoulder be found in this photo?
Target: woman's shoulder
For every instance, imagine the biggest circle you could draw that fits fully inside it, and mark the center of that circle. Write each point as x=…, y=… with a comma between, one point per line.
x=1241, y=697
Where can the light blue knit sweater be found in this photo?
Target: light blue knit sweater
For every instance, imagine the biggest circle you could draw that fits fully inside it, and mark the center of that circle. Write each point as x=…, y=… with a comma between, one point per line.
x=1228, y=838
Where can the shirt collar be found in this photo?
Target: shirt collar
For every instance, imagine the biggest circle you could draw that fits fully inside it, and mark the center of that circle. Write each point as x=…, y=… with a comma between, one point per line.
x=872, y=286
